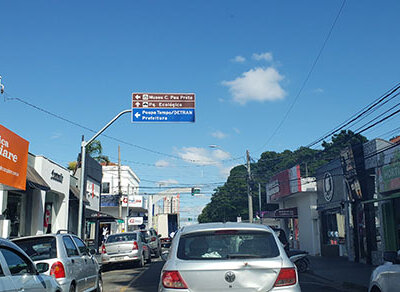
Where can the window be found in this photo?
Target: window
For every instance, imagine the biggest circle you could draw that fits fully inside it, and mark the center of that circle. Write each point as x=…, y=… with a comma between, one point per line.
x=121, y=237
x=42, y=248
x=17, y=264
x=81, y=245
x=105, y=187
x=70, y=246
x=227, y=244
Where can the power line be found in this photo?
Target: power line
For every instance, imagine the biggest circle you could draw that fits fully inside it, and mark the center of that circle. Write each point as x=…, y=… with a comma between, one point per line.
x=307, y=77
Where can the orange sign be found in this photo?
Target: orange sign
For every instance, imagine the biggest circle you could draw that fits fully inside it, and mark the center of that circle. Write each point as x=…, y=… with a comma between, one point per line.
x=13, y=159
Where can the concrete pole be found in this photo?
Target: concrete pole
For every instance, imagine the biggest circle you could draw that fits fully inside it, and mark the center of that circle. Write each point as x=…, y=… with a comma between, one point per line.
x=249, y=197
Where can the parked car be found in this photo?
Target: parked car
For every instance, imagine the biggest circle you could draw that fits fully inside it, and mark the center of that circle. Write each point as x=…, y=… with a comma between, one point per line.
x=166, y=242
x=125, y=247
x=65, y=257
x=153, y=239
x=221, y=256
x=19, y=273
x=386, y=277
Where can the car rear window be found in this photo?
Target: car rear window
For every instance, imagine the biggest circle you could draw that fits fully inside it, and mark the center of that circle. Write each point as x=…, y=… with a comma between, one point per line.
x=121, y=237
x=227, y=244
x=39, y=248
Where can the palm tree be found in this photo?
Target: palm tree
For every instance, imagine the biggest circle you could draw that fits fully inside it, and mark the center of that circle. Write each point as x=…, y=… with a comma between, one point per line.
x=95, y=150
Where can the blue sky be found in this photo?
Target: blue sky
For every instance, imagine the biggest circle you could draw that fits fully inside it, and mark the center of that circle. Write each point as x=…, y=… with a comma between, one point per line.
x=245, y=61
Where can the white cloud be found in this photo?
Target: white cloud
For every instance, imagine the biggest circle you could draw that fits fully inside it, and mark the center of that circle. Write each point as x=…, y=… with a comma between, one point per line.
x=267, y=56
x=219, y=135
x=167, y=182
x=239, y=59
x=204, y=156
x=55, y=136
x=197, y=155
x=318, y=90
x=237, y=131
x=225, y=171
x=258, y=84
x=162, y=163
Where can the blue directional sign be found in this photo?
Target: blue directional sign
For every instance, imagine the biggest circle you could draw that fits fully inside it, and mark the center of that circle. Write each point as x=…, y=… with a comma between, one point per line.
x=163, y=115
x=163, y=107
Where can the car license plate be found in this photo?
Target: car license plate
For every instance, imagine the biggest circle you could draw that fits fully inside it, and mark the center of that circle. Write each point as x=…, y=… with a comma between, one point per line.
x=119, y=258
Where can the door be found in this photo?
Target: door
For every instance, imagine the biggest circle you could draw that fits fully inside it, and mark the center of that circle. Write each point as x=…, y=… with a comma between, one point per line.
x=74, y=264
x=90, y=264
x=6, y=282
x=22, y=272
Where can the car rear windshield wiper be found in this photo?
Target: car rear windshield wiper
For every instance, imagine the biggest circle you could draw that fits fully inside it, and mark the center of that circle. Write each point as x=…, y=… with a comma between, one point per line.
x=243, y=256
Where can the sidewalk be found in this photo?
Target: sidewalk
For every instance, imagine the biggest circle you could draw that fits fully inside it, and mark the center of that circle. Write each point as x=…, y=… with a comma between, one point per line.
x=340, y=270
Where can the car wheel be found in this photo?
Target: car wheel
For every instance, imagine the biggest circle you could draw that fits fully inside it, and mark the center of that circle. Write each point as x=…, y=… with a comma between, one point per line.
x=140, y=263
x=99, y=284
x=301, y=265
x=72, y=288
x=157, y=253
x=148, y=261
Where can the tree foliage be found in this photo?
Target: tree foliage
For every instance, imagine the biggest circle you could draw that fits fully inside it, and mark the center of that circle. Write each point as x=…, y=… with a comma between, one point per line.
x=95, y=150
x=230, y=200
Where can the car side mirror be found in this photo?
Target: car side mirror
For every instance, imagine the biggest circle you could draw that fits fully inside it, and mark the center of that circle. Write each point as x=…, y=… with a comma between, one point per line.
x=159, y=235
x=391, y=256
x=42, y=267
x=164, y=255
x=92, y=251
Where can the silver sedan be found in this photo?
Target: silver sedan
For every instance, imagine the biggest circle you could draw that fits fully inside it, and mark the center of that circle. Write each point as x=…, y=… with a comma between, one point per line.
x=226, y=256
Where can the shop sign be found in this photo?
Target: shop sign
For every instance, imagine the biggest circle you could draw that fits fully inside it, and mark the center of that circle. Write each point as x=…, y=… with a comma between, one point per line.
x=135, y=221
x=328, y=186
x=57, y=176
x=284, y=183
x=350, y=172
x=13, y=159
x=134, y=201
x=93, y=195
x=286, y=213
x=388, y=175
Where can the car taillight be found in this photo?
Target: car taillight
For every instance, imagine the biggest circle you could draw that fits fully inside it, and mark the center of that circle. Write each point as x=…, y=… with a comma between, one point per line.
x=57, y=270
x=103, y=249
x=135, y=245
x=286, y=277
x=172, y=279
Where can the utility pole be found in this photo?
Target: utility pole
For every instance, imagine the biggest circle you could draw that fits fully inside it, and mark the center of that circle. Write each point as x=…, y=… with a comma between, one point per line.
x=250, y=199
x=259, y=201
x=119, y=184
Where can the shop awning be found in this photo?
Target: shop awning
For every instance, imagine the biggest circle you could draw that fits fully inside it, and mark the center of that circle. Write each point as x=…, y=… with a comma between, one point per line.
x=75, y=192
x=91, y=214
x=34, y=180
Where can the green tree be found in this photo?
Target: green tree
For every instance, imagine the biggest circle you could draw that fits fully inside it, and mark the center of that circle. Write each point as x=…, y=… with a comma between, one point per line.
x=230, y=200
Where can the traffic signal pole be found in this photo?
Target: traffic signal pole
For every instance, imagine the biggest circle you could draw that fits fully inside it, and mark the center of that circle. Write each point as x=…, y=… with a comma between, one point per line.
x=83, y=158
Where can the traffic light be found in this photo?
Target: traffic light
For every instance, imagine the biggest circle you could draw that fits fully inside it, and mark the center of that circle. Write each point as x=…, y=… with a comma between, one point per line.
x=195, y=191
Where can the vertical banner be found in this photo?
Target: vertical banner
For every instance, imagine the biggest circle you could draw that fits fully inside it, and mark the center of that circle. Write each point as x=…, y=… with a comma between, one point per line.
x=13, y=159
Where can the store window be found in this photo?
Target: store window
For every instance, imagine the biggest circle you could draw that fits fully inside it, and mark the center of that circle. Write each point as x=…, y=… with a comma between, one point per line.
x=13, y=213
x=105, y=187
x=333, y=227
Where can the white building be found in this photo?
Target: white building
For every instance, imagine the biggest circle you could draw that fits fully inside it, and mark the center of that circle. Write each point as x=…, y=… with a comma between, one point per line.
x=116, y=205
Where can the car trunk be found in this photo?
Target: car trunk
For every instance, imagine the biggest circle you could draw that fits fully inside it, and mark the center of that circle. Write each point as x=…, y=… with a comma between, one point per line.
x=119, y=247
x=216, y=275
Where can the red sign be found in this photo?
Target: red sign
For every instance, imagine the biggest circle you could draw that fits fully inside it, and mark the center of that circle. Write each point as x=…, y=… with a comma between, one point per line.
x=284, y=183
x=13, y=159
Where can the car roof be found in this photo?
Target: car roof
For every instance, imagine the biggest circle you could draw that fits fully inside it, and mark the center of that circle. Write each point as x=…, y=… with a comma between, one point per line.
x=223, y=226
x=7, y=243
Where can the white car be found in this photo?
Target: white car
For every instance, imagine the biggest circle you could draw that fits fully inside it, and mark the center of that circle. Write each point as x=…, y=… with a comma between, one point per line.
x=65, y=257
x=227, y=256
x=386, y=277
x=19, y=273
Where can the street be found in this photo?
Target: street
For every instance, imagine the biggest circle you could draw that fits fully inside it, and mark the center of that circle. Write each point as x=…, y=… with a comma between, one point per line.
x=127, y=278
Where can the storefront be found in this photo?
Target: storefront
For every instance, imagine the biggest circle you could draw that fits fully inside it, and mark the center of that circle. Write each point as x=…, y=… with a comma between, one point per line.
x=334, y=211
x=297, y=199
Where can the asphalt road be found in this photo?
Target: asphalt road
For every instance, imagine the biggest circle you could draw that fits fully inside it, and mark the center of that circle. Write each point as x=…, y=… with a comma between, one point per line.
x=128, y=278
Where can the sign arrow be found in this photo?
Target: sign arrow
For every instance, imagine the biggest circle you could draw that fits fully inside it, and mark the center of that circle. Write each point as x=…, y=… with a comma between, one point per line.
x=137, y=104
x=137, y=115
x=137, y=96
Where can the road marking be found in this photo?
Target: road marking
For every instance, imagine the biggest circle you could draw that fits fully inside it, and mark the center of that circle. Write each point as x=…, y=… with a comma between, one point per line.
x=133, y=280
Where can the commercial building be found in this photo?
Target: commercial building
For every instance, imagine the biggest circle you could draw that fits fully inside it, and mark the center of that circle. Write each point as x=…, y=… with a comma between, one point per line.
x=297, y=199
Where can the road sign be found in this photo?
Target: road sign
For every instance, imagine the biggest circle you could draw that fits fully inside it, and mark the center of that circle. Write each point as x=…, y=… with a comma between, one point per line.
x=163, y=107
